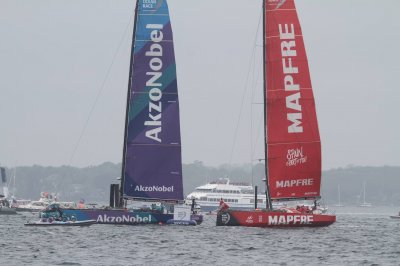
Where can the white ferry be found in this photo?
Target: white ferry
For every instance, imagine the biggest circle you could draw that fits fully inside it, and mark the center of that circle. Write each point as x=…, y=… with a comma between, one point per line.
x=237, y=195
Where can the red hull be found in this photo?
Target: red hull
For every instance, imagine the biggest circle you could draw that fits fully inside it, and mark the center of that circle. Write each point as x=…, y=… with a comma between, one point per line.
x=273, y=219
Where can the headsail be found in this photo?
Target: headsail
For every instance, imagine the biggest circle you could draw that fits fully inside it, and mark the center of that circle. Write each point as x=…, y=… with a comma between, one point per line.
x=293, y=142
x=152, y=164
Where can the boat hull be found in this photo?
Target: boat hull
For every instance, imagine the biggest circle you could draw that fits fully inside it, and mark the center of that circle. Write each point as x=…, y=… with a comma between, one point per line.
x=28, y=210
x=395, y=216
x=273, y=219
x=119, y=216
x=182, y=222
x=60, y=223
x=7, y=211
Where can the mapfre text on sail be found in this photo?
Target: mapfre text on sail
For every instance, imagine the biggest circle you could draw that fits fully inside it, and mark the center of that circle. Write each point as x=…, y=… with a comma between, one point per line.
x=293, y=106
x=155, y=53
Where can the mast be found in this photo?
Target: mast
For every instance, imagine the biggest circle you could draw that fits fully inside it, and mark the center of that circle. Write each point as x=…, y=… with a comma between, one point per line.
x=121, y=187
x=268, y=203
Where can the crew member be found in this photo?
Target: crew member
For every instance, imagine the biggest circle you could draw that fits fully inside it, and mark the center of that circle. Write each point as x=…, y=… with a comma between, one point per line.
x=222, y=205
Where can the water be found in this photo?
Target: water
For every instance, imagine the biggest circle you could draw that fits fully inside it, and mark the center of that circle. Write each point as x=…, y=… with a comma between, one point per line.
x=361, y=236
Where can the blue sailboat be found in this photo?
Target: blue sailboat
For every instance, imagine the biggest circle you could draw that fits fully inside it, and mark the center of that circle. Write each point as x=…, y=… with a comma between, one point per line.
x=152, y=163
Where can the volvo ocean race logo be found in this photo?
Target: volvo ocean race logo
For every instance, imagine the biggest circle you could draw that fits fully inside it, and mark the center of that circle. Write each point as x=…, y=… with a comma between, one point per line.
x=152, y=4
x=295, y=157
x=225, y=218
x=154, y=188
x=155, y=52
x=278, y=3
x=123, y=219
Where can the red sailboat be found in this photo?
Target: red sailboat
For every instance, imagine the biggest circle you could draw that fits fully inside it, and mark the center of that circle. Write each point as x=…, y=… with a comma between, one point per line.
x=292, y=142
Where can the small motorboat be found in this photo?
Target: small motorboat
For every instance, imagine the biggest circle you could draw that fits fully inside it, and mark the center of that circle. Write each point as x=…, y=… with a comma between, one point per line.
x=395, y=216
x=50, y=222
x=5, y=207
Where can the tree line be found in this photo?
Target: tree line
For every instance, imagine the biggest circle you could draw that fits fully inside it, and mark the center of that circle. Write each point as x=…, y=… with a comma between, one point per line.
x=93, y=183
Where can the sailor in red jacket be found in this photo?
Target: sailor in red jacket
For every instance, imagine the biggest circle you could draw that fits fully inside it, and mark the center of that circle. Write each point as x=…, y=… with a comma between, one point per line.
x=222, y=205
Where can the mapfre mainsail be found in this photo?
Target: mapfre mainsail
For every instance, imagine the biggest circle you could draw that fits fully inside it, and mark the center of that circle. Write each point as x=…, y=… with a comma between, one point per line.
x=152, y=166
x=293, y=147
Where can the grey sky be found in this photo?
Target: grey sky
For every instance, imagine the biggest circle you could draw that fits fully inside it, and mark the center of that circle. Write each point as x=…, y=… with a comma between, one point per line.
x=55, y=54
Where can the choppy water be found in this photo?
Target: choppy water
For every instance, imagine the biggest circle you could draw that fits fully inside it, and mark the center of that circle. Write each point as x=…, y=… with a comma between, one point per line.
x=361, y=236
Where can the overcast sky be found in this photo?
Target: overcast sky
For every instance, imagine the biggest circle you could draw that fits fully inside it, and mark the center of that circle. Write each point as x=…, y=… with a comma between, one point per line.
x=58, y=56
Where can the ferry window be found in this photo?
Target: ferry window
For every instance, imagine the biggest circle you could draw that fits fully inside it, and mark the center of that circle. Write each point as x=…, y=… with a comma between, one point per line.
x=251, y=200
x=260, y=201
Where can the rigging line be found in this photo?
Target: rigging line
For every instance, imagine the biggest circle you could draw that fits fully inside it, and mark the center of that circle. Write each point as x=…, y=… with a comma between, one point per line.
x=100, y=90
x=244, y=92
x=260, y=123
x=254, y=146
x=255, y=77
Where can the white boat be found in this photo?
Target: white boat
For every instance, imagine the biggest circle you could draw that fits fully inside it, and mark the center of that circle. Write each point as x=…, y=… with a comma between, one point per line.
x=5, y=207
x=33, y=206
x=237, y=195
x=364, y=203
x=339, y=204
x=36, y=206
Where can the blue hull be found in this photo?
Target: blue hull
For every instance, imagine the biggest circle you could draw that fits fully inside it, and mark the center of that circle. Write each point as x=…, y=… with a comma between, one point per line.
x=117, y=216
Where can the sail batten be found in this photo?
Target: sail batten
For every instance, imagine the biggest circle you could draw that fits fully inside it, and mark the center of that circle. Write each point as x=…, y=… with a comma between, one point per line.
x=293, y=148
x=152, y=168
